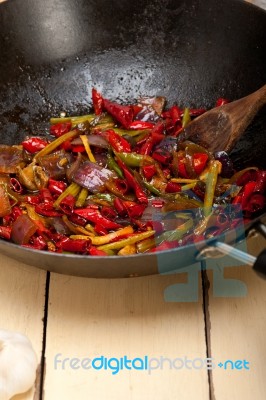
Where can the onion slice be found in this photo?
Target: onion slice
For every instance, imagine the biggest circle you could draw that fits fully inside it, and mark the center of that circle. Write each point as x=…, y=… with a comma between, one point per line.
x=92, y=176
x=23, y=229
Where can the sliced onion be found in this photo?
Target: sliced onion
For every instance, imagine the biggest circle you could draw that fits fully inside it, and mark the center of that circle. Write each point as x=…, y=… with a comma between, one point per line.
x=11, y=157
x=23, y=229
x=101, y=159
x=74, y=167
x=92, y=176
x=5, y=206
x=51, y=164
x=58, y=224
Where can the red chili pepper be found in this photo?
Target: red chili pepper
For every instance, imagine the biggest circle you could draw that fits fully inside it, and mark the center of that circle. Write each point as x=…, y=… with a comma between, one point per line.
x=46, y=197
x=16, y=185
x=16, y=212
x=76, y=219
x=181, y=166
x=46, y=211
x=149, y=171
x=123, y=114
x=140, y=125
x=134, y=210
x=94, y=251
x=118, y=143
x=247, y=192
x=5, y=232
x=56, y=187
x=172, y=187
x=97, y=101
x=38, y=242
x=121, y=185
x=108, y=212
x=157, y=203
x=120, y=207
x=199, y=162
x=237, y=199
x=93, y=215
x=140, y=142
x=247, y=177
x=136, y=109
x=163, y=156
x=152, y=139
x=178, y=131
x=100, y=229
x=221, y=101
x=157, y=131
x=175, y=114
x=75, y=245
x=260, y=182
x=78, y=148
x=147, y=146
x=66, y=145
x=35, y=199
x=255, y=203
x=133, y=183
x=166, y=114
x=60, y=128
x=67, y=204
x=34, y=144
x=166, y=245
x=157, y=136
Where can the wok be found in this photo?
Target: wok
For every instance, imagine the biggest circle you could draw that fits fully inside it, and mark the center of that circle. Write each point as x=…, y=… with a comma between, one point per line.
x=191, y=51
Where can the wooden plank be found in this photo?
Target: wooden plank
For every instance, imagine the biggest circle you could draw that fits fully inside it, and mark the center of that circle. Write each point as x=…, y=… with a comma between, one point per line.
x=22, y=297
x=237, y=331
x=113, y=318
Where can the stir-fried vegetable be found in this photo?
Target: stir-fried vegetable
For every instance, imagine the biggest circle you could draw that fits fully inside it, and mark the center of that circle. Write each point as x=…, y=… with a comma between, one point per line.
x=117, y=182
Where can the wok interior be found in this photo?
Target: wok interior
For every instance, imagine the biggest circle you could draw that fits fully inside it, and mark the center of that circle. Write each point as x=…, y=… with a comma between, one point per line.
x=192, y=52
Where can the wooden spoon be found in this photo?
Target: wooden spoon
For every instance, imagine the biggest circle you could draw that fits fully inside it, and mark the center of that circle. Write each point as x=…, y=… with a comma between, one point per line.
x=220, y=128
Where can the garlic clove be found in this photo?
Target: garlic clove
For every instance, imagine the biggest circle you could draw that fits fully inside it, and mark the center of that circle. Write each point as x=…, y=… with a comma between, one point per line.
x=18, y=364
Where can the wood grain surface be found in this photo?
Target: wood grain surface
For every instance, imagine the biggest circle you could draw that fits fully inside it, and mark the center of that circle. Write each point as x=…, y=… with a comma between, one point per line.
x=22, y=298
x=90, y=318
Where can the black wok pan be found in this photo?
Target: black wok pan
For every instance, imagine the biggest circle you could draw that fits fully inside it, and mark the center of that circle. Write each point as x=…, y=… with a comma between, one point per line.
x=53, y=52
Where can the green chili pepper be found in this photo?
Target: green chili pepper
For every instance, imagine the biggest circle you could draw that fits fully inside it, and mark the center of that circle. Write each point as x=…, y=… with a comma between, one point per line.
x=82, y=197
x=111, y=163
x=151, y=188
x=132, y=133
x=214, y=170
x=188, y=186
x=109, y=198
x=145, y=245
x=186, y=118
x=134, y=159
x=75, y=120
x=179, y=232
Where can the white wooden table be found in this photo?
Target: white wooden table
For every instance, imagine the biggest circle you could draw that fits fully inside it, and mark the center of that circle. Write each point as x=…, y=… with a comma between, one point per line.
x=75, y=317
